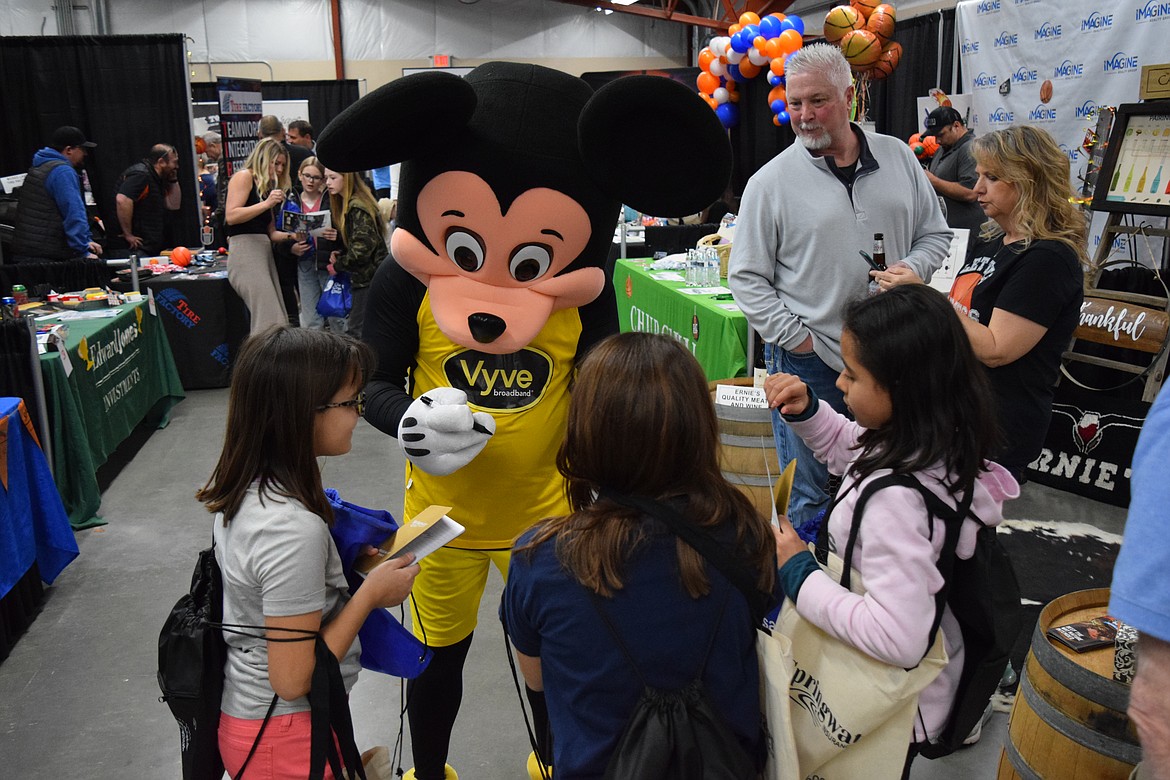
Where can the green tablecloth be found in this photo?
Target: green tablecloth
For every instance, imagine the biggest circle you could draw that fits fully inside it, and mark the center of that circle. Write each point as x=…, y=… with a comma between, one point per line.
x=123, y=371
x=713, y=329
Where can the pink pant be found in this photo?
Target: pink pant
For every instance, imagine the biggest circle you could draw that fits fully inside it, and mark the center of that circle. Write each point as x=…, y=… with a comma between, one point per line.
x=283, y=751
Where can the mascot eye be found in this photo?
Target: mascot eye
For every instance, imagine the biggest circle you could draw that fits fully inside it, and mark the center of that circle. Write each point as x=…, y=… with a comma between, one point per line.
x=465, y=249
x=530, y=262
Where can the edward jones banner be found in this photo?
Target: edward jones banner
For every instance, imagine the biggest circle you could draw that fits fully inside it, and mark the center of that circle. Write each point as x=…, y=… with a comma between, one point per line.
x=1052, y=64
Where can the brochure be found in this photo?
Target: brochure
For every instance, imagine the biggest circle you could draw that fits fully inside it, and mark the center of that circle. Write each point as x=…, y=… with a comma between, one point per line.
x=313, y=223
x=426, y=532
x=1087, y=634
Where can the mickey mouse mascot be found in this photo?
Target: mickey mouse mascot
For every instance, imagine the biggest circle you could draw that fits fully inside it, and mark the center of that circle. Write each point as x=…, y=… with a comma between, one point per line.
x=511, y=185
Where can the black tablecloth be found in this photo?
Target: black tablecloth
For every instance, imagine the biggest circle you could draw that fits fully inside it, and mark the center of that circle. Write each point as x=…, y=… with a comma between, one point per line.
x=205, y=322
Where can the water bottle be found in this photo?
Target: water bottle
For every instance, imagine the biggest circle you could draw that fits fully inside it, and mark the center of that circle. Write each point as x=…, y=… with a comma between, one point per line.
x=711, y=261
x=692, y=277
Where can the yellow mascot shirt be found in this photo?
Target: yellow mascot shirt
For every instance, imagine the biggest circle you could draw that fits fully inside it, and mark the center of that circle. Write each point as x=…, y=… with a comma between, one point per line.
x=513, y=482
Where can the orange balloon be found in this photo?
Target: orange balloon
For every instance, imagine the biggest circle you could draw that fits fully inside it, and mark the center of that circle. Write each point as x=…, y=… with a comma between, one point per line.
x=706, y=57
x=790, y=41
x=865, y=7
x=749, y=17
x=841, y=20
x=773, y=49
x=889, y=59
x=779, y=15
x=733, y=96
x=881, y=23
x=759, y=42
x=733, y=29
x=777, y=93
x=710, y=101
x=861, y=48
x=707, y=83
x=748, y=69
x=776, y=119
x=777, y=66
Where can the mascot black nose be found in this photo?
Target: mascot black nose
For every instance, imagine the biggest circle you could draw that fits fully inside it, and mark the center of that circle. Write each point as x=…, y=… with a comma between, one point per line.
x=486, y=328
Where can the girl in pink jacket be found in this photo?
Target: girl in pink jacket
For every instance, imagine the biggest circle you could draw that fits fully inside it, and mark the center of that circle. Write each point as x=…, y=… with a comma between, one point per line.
x=921, y=405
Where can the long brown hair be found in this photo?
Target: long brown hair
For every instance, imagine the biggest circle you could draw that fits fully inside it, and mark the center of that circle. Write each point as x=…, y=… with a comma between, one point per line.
x=641, y=423
x=281, y=378
x=354, y=193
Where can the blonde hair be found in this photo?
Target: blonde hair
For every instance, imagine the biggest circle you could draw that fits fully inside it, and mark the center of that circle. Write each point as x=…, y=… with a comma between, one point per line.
x=260, y=164
x=1028, y=158
x=354, y=192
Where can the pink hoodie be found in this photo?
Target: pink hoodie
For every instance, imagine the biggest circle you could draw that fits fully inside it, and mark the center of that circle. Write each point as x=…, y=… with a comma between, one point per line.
x=896, y=557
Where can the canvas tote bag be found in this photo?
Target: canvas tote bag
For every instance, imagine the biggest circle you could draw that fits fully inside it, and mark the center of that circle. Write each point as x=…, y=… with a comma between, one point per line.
x=832, y=711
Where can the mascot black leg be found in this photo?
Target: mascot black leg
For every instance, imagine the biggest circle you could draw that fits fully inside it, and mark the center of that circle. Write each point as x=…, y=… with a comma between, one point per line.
x=434, y=698
x=543, y=731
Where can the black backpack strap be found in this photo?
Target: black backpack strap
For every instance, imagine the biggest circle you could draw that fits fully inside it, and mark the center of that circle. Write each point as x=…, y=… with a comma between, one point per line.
x=759, y=603
x=330, y=715
x=595, y=600
x=953, y=518
x=260, y=733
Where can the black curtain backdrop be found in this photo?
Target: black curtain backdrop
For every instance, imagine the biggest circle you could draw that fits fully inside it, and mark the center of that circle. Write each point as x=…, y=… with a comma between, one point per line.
x=125, y=92
x=326, y=99
x=892, y=102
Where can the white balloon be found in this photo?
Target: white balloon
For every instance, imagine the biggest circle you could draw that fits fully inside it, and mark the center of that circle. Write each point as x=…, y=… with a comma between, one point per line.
x=717, y=68
x=757, y=57
x=734, y=56
x=721, y=95
x=718, y=46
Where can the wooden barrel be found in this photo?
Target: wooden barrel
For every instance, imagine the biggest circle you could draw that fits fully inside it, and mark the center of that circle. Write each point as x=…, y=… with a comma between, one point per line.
x=1069, y=719
x=747, y=453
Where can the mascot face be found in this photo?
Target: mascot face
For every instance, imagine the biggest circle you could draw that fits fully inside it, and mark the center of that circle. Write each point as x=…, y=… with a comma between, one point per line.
x=494, y=276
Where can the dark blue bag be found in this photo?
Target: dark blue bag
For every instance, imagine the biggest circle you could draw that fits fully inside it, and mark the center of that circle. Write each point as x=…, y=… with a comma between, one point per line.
x=387, y=646
x=337, y=298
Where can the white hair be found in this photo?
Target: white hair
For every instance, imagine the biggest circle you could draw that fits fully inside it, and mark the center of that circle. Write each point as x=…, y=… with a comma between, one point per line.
x=821, y=58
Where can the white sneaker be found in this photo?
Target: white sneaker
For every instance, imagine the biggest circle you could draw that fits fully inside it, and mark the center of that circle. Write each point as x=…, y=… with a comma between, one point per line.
x=977, y=732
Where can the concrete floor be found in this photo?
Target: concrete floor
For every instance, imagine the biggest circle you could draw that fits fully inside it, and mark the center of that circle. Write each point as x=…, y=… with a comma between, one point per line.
x=78, y=697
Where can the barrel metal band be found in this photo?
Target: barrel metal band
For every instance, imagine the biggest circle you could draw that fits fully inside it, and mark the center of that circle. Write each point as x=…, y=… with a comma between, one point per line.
x=1019, y=763
x=1078, y=732
x=1085, y=682
x=751, y=480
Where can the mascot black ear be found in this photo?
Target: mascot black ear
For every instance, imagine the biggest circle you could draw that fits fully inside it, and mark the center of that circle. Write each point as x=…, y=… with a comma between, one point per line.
x=406, y=118
x=653, y=144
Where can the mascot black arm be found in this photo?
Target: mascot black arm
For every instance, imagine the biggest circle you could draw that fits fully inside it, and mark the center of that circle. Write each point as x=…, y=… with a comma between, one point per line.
x=391, y=330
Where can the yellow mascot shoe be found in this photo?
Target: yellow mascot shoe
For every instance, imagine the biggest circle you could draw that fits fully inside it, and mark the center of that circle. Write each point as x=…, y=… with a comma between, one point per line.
x=448, y=773
x=534, y=767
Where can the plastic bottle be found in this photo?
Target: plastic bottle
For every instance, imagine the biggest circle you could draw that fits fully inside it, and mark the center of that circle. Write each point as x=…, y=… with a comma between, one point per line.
x=879, y=261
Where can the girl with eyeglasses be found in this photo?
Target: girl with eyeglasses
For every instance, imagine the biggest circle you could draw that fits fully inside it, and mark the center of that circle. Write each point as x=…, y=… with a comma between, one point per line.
x=295, y=397
x=358, y=227
x=311, y=264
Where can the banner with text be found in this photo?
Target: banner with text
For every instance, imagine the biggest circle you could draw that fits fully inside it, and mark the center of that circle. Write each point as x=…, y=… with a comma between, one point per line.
x=240, y=109
x=1053, y=64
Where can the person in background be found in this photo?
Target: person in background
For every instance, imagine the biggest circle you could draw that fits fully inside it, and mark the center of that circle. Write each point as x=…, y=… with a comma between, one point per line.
x=206, y=182
x=636, y=396
x=358, y=227
x=148, y=193
x=254, y=193
x=931, y=419
x=1019, y=292
x=272, y=127
x=312, y=273
x=296, y=396
x=51, y=221
x=1140, y=595
x=300, y=133
x=383, y=179
x=952, y=169
x=803, y=219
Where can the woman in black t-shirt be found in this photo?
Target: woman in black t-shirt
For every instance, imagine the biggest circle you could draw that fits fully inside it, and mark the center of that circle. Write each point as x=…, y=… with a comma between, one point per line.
x=1020, y=290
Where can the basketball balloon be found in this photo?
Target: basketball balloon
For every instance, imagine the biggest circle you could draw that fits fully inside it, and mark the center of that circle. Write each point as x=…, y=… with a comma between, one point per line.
x=841, y=20
x=181, y=256
x=861, y=48
x=889, y=59
x=864, y=7
x=881, y=22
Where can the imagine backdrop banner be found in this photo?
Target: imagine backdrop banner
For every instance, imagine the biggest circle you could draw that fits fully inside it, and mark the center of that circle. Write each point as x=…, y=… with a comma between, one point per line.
x=1053, y=64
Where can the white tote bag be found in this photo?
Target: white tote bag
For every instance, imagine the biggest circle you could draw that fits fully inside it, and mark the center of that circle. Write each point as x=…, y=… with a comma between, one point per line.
x=833, y=712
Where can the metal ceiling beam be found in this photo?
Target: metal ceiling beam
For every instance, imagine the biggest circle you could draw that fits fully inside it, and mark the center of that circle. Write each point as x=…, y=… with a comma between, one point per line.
x=665, y=9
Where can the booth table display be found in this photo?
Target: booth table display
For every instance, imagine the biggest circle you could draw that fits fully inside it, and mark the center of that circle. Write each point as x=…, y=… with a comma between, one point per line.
x=204, y=320
x=36, y=541
x=121, y=372
x=711, y=327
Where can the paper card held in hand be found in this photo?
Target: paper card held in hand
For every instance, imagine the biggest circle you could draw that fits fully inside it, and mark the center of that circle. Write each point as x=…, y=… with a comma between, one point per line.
x=426, y=532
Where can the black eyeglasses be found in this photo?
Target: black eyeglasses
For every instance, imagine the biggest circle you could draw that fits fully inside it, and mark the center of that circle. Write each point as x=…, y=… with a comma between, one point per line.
x=311, y=177
x=358, y=403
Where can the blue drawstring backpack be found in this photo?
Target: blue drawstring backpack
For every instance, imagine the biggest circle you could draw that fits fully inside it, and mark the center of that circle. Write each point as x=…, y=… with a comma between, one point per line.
x=387, y=646
x=337, y=298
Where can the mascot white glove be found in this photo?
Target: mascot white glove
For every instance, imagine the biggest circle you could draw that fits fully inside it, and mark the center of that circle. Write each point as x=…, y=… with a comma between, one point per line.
x=440, y=434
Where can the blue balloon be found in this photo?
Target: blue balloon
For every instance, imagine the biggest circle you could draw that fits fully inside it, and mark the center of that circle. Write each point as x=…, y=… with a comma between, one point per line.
x=740, y=43
x=774, y=80
x=750, y=32
x=777, y=106
x=734, y=74
x=728, y=114
x=782, y=116
x=797, y=23
x=770, y=27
